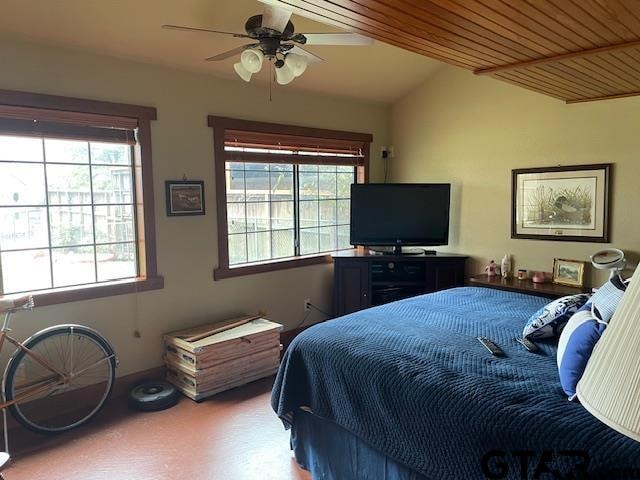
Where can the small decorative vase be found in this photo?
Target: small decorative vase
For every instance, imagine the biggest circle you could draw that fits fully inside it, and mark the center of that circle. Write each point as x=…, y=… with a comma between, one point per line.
x=538, y=277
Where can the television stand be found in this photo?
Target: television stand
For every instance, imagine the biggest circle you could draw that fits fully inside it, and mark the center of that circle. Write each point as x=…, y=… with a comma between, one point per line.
x=364, y=279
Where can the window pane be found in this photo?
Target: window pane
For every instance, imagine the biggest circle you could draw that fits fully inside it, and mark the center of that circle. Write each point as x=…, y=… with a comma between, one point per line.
x=327, y=239
x=308, y=168
x=112, y=185
x=281, y=186
x=264, y=167
x=234, y=165
x=343, y=237
x=346, y=169
x=328, y=212
x=110, y=153
x=22, y=184
x=308, y=186
x=281, y=167
x=327, y=168
x=259, y=246
x=66, y=151
x=235, y=186
x=23, y=227
x=114, y=223
x=327, y=185
x=257, y=186
x=116, y=261
x=236, y=222
x=71, y=226
x=308, y=241
x=344, y=211
x=282, y=243
x=68, y=184
x=73, y=266
x=344, y=184
x=308, y=213
x=281, y=215
x=258, y=217
x=237, y=249
x=21, y=149
x=24, y=271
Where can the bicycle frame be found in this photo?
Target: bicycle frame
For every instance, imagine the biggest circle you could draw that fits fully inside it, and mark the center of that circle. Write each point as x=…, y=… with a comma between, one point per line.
x=36, y=387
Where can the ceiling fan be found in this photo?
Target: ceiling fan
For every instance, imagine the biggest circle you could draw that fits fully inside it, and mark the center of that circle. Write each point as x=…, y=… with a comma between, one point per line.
x=274, y=38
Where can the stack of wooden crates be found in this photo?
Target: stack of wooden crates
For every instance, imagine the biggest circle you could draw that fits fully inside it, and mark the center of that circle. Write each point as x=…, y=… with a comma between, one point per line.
x=208, y=359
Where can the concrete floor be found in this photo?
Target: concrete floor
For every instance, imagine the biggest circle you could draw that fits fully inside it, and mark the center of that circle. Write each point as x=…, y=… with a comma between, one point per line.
x=234, y=435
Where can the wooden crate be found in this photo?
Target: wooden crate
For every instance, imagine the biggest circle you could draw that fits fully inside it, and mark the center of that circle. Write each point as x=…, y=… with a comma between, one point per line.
x=202, y=365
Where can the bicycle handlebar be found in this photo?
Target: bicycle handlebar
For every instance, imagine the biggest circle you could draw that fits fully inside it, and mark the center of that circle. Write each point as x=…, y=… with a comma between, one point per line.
x=9, y=304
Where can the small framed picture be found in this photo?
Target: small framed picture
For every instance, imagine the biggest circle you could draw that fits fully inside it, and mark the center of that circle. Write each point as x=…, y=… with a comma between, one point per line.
x=568, y=272
x=184, y=197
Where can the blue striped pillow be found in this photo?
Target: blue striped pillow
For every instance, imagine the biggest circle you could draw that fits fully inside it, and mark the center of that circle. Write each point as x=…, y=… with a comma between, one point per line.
x=606, y=299
x=579, y=337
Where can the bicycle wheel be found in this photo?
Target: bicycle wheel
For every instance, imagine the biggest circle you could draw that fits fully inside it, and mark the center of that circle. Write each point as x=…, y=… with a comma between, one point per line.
x=74, y=350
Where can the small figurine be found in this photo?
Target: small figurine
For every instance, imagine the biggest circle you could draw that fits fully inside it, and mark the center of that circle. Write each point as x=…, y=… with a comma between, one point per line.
x=491, y=269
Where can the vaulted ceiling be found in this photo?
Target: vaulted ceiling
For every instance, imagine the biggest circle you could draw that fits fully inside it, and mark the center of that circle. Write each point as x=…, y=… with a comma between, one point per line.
x=573, y=50
x=131, y=29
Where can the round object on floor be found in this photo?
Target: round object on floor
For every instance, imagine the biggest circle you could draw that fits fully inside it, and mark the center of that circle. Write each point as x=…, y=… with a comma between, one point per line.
x=153, y=395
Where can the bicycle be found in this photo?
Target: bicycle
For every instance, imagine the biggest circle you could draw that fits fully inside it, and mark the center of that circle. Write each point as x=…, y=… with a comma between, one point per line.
x=57, y=379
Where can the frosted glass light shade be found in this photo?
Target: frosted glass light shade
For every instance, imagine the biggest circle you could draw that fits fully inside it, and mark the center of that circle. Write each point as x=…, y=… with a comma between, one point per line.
x=251, y=60
x=297, y=63
x=284, y=75
x=610, y=386
x=242, y=72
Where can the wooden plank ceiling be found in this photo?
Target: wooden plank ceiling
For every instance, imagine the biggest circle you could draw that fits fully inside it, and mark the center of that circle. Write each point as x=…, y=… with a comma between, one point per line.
x=573, y=50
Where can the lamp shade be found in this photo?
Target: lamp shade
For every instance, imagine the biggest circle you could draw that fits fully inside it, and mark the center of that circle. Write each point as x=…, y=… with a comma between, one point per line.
x=610, y=386
x=284, y=75
x=297, y=63
x=251, y=60
x=242, y=72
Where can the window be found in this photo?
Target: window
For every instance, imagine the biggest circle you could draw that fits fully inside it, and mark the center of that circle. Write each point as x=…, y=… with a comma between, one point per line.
x=75, y=219
x=285, y=193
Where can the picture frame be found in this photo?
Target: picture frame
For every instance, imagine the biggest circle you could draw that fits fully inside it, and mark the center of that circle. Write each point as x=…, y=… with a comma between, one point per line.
x=184, y=197
x=568, y=203
x=568, y=272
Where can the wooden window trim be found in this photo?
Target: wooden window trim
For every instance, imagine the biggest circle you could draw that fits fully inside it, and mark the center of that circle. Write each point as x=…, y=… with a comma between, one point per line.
x=94, y=113
x=220, y=126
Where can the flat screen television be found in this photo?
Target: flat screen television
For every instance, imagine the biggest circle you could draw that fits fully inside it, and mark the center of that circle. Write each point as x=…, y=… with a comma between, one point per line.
x=400, y=214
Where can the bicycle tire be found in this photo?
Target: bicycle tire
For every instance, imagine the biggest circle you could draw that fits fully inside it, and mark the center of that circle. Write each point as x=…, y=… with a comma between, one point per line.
x=32, y=343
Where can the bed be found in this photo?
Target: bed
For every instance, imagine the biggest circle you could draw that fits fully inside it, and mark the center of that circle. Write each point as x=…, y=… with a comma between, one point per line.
x=405, y=391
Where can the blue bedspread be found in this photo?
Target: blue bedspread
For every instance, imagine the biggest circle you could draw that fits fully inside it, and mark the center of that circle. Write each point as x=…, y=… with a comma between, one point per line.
x=410, y=379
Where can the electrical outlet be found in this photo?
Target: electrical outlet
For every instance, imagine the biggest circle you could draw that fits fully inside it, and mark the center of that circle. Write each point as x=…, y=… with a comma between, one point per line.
x=307, y=304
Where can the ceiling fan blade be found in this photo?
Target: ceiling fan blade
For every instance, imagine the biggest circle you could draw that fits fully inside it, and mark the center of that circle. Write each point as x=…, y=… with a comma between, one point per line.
x=275, y=18
x=312, y=58
x=351, y=39
x=230, y=53
x=205, y=30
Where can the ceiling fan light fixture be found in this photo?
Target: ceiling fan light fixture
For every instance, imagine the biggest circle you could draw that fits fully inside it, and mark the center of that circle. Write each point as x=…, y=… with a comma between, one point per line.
x=296, y=63
x=284, y=75
x=251, y=60
x=242, y=72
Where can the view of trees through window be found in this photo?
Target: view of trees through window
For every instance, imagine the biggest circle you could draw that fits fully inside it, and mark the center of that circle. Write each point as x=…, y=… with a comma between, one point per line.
x=67, y=213
x=285, y=210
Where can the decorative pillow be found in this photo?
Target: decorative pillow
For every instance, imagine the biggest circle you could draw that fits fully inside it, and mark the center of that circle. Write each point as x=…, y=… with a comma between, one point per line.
x=606, y=299
x=551, y=319
x=576, y=344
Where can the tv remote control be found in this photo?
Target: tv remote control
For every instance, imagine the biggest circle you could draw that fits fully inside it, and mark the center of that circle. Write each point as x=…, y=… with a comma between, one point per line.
x=492, y=347
x=528, y=344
